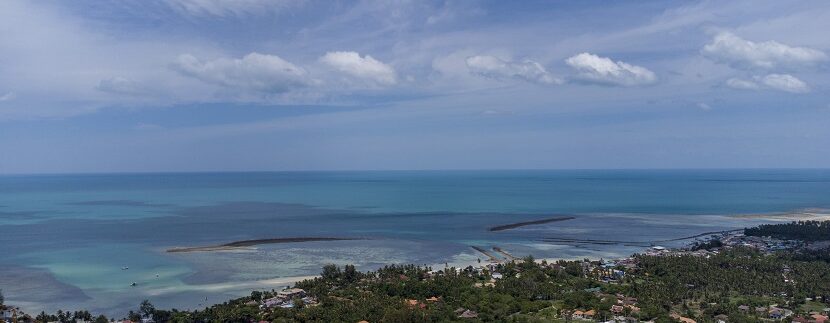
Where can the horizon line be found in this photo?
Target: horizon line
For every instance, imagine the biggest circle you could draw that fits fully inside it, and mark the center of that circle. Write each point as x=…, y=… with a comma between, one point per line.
x=404, y=170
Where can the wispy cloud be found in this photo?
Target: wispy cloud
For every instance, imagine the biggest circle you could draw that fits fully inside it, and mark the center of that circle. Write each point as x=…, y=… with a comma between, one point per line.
x=494, y=67
x=780, y=82
x=121, y=85
x=741, y=53
x=785, y=82
x=224, y=8
x=741, y=84
x=253, y=72
x=7, y=97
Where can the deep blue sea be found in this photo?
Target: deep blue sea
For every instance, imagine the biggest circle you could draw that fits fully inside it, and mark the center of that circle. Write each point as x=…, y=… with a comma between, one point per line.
x=65, y=238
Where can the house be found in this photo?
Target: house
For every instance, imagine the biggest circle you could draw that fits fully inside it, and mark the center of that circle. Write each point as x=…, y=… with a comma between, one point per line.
x=589, y=314
x=818, y=318
x=414, y=303
x=6, y=313
x=578, y=314
x=776, y=313
x=433, y=299
x=593, y=290
x=721, y=318
x=682, y=319
x=468, y=314
x=616, y=309
x=634, y=309
x=629, y=300
x=743, y=308
x=271, y=302
x=291, y=293
x=308, y=300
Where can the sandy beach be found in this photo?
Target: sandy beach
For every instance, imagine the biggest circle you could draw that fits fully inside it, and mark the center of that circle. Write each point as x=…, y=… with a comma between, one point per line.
x=243, y=244
x=810, y=214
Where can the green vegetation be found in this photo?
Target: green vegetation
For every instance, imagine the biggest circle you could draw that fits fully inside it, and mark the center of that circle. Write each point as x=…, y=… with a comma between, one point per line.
x=800, y=230
x=711, y=244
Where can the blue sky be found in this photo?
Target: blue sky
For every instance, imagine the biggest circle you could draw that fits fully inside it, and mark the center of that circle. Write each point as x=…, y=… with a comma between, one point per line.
x=236, y=85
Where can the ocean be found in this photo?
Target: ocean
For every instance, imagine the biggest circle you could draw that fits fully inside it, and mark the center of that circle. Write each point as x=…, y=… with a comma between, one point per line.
x=79, y=241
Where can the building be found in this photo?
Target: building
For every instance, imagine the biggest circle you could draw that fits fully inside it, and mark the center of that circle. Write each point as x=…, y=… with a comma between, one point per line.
x=465, y=313
x=776, y=313
x=682, y=319
x=291, y=293
x=589, y=314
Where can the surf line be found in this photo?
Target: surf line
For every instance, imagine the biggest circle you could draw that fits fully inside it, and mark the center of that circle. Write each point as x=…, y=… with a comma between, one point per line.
x=633, y=243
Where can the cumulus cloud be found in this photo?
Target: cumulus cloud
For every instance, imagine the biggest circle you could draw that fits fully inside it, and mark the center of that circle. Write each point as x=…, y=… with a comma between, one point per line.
x=494, y=67
x=593, y=68
x=780, y=82
x=740, y=53
x=785, y=82
x=366, y=68
x=7, y=97
x=230, y=7
x=254, y=72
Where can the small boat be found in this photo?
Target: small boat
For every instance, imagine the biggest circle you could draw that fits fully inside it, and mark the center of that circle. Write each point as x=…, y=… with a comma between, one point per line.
x=125, y=268
x=133, y=284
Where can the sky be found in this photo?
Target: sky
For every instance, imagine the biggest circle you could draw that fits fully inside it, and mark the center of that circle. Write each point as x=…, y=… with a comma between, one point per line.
x=267, y=85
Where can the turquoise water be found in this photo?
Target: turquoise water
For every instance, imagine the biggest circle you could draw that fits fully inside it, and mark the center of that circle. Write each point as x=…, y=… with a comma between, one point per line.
x=66, y=237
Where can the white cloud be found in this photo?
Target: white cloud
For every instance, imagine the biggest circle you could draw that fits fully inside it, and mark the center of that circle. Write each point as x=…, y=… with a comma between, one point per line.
x=704, y=106
x=230, y=7
x=740, y=53
x=741, y=84
x=785, y=82
x=254, y=72
x=7, y=97
x=780, y=82
x=494, y=67
x=366, y=67
x=593, y=68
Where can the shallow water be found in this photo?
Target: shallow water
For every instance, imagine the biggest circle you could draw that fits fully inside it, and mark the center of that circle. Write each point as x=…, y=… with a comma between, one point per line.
x=66, y=237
